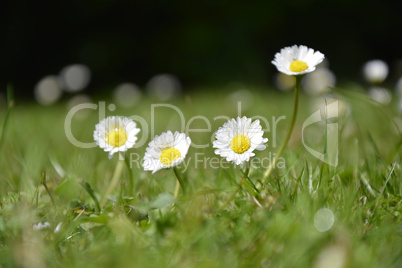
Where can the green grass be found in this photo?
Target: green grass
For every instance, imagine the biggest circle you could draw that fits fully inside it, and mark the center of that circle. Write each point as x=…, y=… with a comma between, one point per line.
x=143, y=226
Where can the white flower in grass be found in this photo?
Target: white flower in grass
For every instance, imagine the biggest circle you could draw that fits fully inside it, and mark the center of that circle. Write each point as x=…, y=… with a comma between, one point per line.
x=116, y=134
x=237, y=139
x=165, y=151
x=41, y=226
x=297, y=60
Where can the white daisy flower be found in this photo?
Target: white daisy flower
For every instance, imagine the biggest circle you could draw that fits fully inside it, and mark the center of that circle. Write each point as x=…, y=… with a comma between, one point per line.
x=165, y=151
x=237, y=139
x=375, y=71
x=116, y=134
x=297, y=60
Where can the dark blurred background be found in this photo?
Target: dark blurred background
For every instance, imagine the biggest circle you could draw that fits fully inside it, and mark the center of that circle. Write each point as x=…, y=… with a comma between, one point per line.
x=203, y=43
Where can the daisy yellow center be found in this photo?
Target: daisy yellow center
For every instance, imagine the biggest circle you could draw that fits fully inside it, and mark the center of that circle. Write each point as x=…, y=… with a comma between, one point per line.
x=169, y=155
x=298, y=66
x=240, y=144
x=117, y=137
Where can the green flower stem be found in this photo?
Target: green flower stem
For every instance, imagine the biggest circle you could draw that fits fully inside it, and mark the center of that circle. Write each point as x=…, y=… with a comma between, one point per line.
x=286, y=140
x=113, y=182
x=130, y=175
x=176, y=189
x=180, y=181
x=243, y=180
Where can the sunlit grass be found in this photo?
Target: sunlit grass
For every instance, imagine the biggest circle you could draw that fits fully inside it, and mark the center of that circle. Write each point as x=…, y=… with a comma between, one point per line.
x=272, y=228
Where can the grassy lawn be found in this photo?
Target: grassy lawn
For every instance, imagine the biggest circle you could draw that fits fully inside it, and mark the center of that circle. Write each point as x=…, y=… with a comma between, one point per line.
x=278, y=222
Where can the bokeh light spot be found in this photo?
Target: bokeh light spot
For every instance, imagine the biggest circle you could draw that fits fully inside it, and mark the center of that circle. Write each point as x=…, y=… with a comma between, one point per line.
x=47, y=91
x=127, y=95
x=324, y=219
x=75, y=77
x=164, y=87
x=111, y=107
x=380, y=95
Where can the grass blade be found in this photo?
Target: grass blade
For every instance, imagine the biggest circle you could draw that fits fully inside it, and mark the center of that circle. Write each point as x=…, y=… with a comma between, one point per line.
x=10, y=106
x=91, y=192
